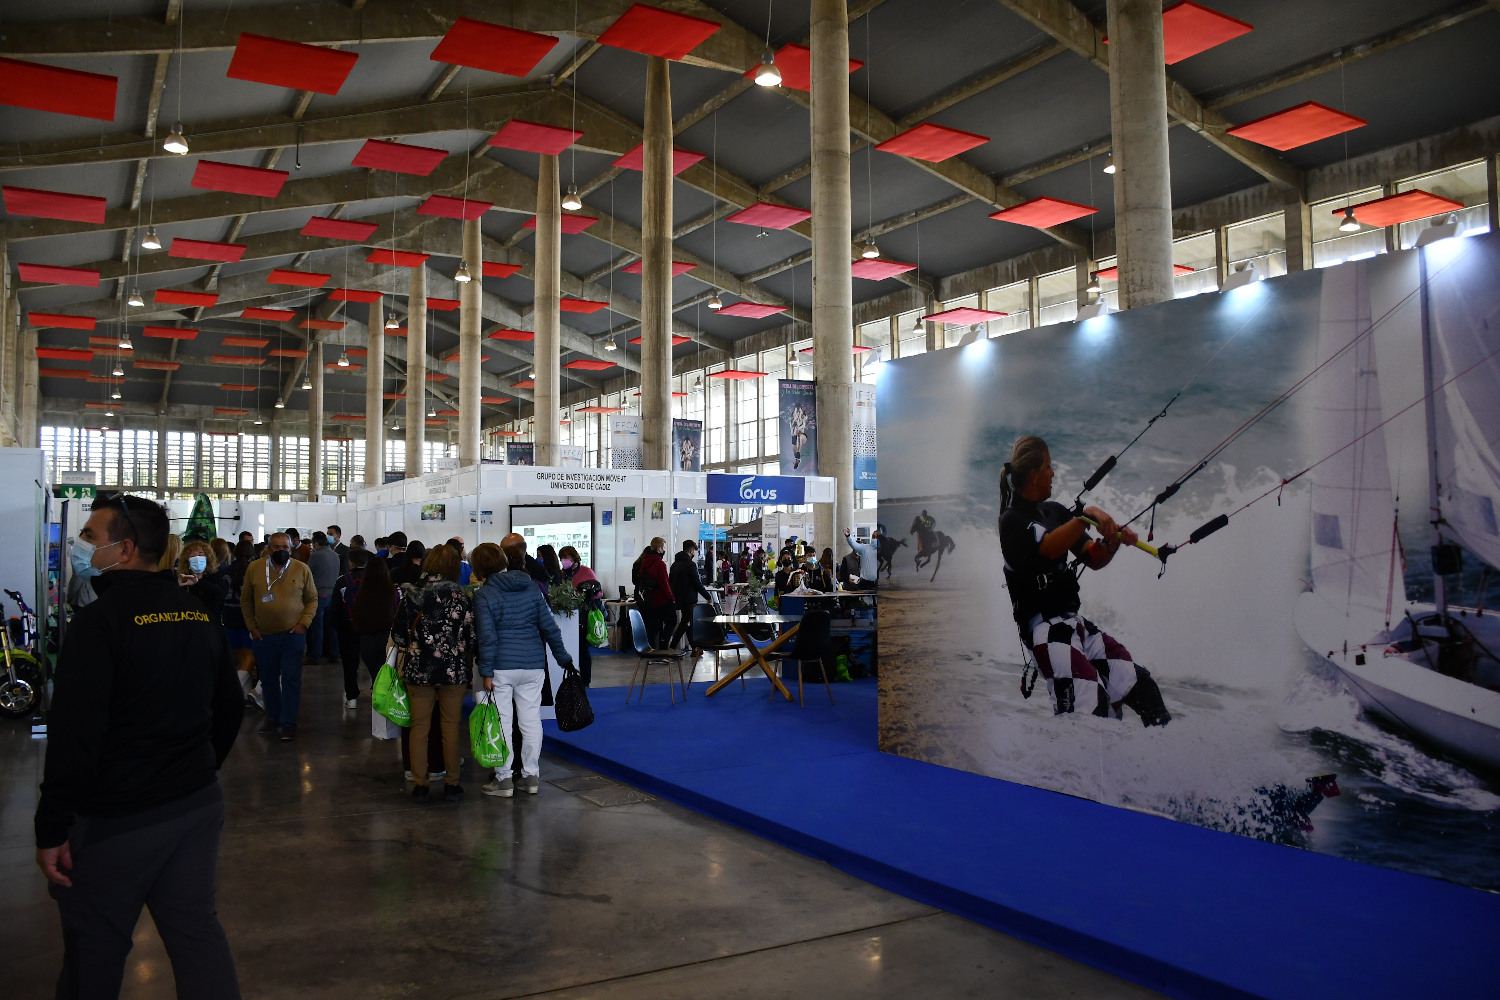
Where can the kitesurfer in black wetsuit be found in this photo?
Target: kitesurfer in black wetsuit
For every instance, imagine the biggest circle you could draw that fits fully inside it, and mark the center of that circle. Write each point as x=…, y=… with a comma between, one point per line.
x=1086, y=669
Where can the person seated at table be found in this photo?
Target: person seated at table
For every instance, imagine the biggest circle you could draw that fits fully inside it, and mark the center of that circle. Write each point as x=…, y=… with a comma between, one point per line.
x=818, y=576
x=783, y=573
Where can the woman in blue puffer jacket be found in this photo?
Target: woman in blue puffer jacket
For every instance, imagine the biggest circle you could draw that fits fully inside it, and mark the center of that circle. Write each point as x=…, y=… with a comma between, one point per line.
x=512, y=620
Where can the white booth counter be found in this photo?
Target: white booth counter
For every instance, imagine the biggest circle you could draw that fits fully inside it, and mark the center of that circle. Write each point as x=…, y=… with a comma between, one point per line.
x=609, y=515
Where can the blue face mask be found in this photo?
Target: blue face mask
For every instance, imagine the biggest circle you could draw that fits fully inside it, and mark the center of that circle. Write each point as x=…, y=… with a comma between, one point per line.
x=197, y=563
x=82, y=553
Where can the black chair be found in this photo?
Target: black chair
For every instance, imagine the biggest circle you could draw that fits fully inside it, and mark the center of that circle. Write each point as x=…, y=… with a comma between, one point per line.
x=648, y=657
x=810, y=643
x=708, y=634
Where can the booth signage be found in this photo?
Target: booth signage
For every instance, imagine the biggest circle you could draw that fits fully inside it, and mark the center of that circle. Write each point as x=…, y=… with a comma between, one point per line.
x=724, y=488
x=572, y=482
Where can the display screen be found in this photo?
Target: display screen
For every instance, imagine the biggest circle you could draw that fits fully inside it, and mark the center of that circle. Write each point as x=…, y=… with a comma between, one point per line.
x=556, y=525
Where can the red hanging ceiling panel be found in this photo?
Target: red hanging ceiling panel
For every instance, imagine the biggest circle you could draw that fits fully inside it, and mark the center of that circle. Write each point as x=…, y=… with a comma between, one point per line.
x=441, y=305
x=1042, y=213
x=530, y=137
x=769, y=216
x=636, y=159
x=933, y=143
x=399, y=157
x=302, y=279
x=211, y=175
x=62, y=320
x=1409, y=206
x=281, y=63
x=280, y=315
x=678, y=267
x=751, y=310
x=353, y=295
x=399, y=258
x=454, y=208
x=338, y=229
x=493, y=47
x=493, y=269
x=517, y=335
x=590, y=364
x=47, y=274
x=206, y=250
x=170, y=332
x=878, y=269
x=1297, y=126
x=570, y=305
x=52, y=88
x=181, y=297
x=570, y=224
x=657, y=32
x=794, y=63
x=1188, y=28
x=54, y=205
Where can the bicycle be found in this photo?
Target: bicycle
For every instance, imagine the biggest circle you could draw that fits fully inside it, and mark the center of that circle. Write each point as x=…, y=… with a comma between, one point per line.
x=21, y=683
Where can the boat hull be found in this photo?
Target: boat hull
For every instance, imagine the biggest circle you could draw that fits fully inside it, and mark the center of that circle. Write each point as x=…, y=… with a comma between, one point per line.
x=1461, y=717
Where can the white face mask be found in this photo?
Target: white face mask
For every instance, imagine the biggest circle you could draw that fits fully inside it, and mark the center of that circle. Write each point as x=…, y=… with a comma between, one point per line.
x=89, y=548
x=197, y=563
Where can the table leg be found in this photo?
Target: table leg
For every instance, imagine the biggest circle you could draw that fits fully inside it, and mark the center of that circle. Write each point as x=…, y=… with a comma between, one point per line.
x=757, y=658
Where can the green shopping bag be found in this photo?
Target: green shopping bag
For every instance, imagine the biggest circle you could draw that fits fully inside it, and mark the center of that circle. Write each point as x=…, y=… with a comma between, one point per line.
x=389, y=696
x=486, y=735
x=597, y=633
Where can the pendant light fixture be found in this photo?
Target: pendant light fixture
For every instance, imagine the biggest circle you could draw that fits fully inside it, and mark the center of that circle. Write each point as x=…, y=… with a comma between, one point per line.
x=766, y=74
x=919, y=324
x=280, y=403
x=125, y=344
x=176, y=142
x=119, y=370
x=868, y=250
x=432, y=409
x=109, y=411
x=114, y=393
x=392, y=323
x=462, y=275
x=1093, y=285
x=716, y=303
x=1109, y=163
x=344, y=359
x=150, y=241
x=610, y=345
x=306, y=381
x=134, y=299
x=258, y=421
x=1350, y=223
x=571, y=201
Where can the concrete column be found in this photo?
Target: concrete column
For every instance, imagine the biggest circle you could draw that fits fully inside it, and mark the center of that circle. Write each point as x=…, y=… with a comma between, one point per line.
x=895, y=351
x=833, y=291
x=1138, y=124
x=375, y=396
x=470, y=294
x=1221, y=255
x=416, y=370
x=1297, y=216
x=161, y=458
x=239, y=461
x=545, y=320
x=315, y=418
x=198, y=455
x=1033, y=302
x=31, y=392
x=275, y=485
x=120, y=457
x=656, y=271
x=1392, y=233
x=10, y=354
x=732, y=423
x=1083, y=270
x=936, y=333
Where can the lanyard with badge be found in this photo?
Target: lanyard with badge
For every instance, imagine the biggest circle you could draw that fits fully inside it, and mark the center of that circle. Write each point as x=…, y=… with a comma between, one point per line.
x=271, y=583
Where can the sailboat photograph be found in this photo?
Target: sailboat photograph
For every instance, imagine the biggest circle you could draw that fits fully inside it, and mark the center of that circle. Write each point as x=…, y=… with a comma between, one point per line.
x=1404, y=624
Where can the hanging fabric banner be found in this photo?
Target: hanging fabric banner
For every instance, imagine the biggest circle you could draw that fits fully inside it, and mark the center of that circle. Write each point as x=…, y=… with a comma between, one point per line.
x=864, y=436
x=687, y=445
x=625, y=443
x=570, y=456
x=520, y=453
x=799, y=427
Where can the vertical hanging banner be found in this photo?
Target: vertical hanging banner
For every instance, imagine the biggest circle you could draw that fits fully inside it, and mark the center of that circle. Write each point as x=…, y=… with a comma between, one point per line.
x=625, y=443
x=520, y=453
x=687, y=445
x=864, y=436
x=799, y=427
x=570, y=456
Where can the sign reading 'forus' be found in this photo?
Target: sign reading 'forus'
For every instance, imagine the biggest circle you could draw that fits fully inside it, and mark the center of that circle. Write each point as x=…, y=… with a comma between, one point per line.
x=724, y=488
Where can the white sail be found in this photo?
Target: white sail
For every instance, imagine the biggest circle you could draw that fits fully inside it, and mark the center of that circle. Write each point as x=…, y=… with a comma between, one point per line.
x=1464, y=318
x=1352, y=510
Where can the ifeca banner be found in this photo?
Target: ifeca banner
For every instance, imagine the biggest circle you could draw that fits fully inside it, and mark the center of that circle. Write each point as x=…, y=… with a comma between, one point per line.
x=864, y=436
x=625, y=443
x=687, y=445
x=799, y=427
x=570, y=456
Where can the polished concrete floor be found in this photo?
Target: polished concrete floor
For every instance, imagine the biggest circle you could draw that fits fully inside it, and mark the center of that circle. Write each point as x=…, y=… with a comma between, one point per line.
x=333, y=884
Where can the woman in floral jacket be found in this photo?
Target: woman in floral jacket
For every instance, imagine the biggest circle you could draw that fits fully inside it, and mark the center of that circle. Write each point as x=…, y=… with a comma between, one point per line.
x=435, y=624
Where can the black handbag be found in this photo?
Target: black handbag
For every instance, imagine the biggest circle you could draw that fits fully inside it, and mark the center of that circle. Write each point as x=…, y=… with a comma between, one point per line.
x=573, y=709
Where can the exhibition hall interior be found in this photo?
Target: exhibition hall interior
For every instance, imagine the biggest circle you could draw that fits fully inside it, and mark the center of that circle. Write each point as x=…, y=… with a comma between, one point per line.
x=1072, y=427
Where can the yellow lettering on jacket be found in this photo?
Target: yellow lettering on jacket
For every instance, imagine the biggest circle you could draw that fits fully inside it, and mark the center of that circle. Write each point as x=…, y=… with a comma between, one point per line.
x=160, y=617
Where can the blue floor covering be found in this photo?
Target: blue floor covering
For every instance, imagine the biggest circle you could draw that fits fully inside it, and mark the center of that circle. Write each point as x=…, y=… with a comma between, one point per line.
x=1181, y=909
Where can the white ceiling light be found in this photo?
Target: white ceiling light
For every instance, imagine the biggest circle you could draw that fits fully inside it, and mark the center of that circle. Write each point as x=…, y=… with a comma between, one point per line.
x=1093, y=285
x=257, y=418
x=919, y=324
x=307, y=381
x=109, y=412
x=135, y=299
x=392, y=323
x=344, y=359
x=462, y=274
x=868, y=250
x=1109, y=163
x=114, y=393
x=151, y=241
x=280, y=403
x=176, y=142
x=125, y=344
x=609, y=345
x=571, y=201
x=1350, y=223
x=766, y=74
x=716, y=303
x=432, y=410
x=119, y=371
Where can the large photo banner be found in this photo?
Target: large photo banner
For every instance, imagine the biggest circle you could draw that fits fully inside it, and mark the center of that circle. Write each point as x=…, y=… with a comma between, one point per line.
x=798, y=410
x=520, y=453
x=1281, y=667
x=687, y=445
x=625, y=443
x=864, y=437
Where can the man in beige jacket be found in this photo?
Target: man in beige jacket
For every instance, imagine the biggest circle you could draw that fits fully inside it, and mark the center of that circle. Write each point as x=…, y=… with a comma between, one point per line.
x=279, y=600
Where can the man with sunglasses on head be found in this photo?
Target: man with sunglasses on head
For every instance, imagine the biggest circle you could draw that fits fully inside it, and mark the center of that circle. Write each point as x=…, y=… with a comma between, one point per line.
x=279, y=600
x=145, y=708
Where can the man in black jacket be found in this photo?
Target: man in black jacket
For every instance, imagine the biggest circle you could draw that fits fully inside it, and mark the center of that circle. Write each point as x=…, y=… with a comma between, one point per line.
x=687, y=587
x=146, y=708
